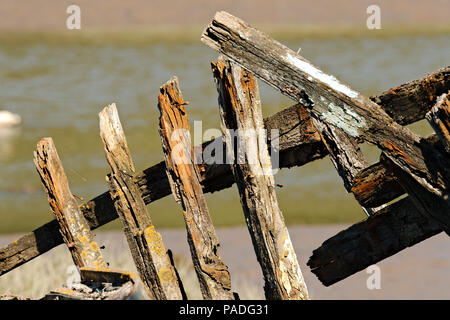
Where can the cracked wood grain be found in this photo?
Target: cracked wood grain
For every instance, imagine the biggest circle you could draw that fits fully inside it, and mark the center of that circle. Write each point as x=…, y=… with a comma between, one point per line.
x=73, y=227
x=152, y=261
x=240, y=108
x=184, y=179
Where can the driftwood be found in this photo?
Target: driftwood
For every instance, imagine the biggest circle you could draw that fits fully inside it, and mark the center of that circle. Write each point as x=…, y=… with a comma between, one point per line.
x=240, y=108
x=212, y=273
x=332, y=101
x=147, y=249
x=299, y=144
x=73, y=226
x=389, y=231
x=439, y=118
x=98, y=284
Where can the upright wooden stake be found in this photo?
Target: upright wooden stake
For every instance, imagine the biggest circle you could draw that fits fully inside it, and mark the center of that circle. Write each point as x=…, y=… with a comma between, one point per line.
x=73, y=226
x=150, y=257
x=212, y=273
x=240, y=108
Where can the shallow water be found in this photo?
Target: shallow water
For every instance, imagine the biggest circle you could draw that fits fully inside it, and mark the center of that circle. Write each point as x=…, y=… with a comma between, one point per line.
x=58, y=91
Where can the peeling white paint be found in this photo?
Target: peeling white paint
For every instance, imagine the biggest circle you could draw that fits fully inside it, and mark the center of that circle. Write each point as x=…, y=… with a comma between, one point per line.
x=344, y=118
x=330, y=80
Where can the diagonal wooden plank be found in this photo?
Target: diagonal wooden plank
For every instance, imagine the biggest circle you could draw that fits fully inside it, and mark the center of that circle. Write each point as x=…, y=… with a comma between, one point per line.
x=240, y=109
x=153, y=263
x=72, y=225
x=297, y=147
x=390, y=230
x=335, y=102
x=212, y=272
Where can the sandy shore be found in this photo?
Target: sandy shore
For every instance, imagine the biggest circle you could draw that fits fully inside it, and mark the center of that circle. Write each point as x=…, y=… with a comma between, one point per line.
x=420, y=272
x=115, y=14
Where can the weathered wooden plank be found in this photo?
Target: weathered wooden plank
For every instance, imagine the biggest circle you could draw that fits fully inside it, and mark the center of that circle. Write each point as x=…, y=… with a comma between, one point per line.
x=410, y=102
x=302, y=146
x=72, y=225
x=240, y=108
x=184, y=179
x=332, y=101
x=376, y=185
x=147, y=249
x=439, y=118
x=390, y=230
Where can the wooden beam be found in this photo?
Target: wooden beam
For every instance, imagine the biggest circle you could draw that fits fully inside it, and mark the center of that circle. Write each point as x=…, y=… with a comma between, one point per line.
x=439, y=118
x=297, y=135
x=390, y=230
x=240, y=109
x=184, y=179
x=376, y=185
x=335, y=102
x=72, y=225
x=147, y=249
x=344, y=153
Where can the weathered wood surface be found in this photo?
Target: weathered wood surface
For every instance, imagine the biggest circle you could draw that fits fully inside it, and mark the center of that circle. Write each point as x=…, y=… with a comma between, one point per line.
x=411, y=101
x=297, y=135
x=240, y=108
x=184, y=179
x=147, y=249
x=98, y=284
x=376, y=185
x=335, y=102
x=439, y=118
x=389, y=231
x=344, y=153
x=72, y=225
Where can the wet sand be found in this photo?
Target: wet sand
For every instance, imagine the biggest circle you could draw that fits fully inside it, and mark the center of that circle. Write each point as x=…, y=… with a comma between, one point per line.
x=420, y=272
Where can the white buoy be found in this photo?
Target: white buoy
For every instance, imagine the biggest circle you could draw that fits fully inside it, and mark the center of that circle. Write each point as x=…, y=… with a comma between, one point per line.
x=9, y=119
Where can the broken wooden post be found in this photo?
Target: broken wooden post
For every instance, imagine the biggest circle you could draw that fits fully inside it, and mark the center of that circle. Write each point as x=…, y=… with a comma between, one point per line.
x=212, y=273
x=439, y=118
x=240, y=109
x=331, y=100
x=72, y=225
x=299, y=144
x=147, y=249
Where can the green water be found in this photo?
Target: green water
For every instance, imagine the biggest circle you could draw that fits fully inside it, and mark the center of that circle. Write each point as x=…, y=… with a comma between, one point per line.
x=59, y=89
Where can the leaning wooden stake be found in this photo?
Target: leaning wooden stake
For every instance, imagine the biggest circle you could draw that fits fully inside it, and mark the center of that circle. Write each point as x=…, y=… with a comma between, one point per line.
x=240, y=108
x=149, y=254
x=333, y=101
x=439, y=118
x=73, y=226
x=212, y=273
